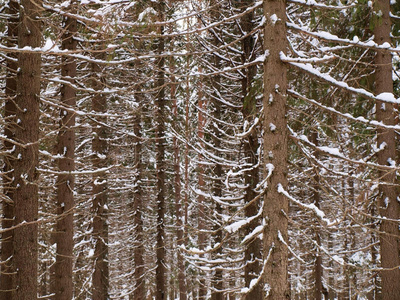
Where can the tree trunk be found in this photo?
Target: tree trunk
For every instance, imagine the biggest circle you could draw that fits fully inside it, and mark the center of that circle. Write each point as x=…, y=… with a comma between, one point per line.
x=388, y=204
x=252, y=254
x=100, y=278
x=6, y=278
x=275, y=152
x=25, y=196
x=64, y=236
x=140, y=291
x=161, y=292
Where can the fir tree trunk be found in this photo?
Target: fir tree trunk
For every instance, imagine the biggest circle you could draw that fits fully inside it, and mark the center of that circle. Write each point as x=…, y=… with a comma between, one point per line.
x=6, y=278
x=252, y=254
x=25, y=196
x=161, y=292
x=275, y=152
x=100, y=280
x=64, y=236
x=389, y=207
x=140, y=291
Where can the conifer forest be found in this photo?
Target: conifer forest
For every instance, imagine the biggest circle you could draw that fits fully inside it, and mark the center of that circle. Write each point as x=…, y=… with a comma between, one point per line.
x=200, y=149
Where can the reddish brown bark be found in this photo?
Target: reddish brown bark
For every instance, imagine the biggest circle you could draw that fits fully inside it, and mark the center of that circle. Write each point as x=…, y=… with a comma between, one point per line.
x=275, y=152
x=252, y=256
x=389, y=207
x=100, y=278
x=25, y=196
x=63, y=283
x=161, y=292
x=6, y=278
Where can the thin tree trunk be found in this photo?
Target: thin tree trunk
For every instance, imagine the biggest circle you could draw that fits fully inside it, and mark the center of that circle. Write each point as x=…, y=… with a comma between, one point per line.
x=140, y=291
x=161, y=291
x=100, y=280
x=25, y=257
x=252, y=254
x=275, y=152
x=178, y=199
x=200, y=197
x=389, y=207
x=6, y=278
x=318, y=258
x=64, y=236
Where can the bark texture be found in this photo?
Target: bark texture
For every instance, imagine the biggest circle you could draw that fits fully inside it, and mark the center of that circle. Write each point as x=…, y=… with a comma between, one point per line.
x=161, y=292
x=100, y=278
x=6, y=277
x=25, y=196
x=252, y=256
x=64, y=235
x=275, y=152
x=389, y=207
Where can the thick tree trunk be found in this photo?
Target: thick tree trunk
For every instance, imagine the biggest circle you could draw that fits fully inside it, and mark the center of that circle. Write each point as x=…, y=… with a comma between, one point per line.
x=6, y=278
x=64, y=236
x=389, y=207
x=161, y=292
x=100, y=280
x=252, y=254
x=275, y=152
x=25, y=196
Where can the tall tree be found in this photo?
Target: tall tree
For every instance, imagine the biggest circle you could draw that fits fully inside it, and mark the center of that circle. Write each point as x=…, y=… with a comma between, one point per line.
x=160, y=103
x=6, y=278
x=251, y=146
x=100, y=280
x=389, y=206
x=64, y=235
x=275, y=152
x=25, y=196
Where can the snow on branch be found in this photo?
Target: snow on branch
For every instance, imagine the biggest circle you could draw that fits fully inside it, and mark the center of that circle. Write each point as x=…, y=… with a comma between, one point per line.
x=318, y=212
x=313, y=3
x=383, y=97
x=344, y=115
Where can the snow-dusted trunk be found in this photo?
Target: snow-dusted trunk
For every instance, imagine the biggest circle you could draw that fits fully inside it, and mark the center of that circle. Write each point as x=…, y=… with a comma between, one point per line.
x=6, y=278
x=63, y=285
x=316, y=199
x=140, y=291
x=100, y=279
x=252, y=254
x=388, y=204
x=25, y=196
x=275, y=152
x=161, y=287
x=178, y=197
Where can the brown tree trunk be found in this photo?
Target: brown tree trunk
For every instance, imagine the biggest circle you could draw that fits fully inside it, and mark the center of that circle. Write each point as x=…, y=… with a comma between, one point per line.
x=252, y=256
x=178, y=198
x=25, y=196
x=161, y=292
x=6, y=278
x=64, y=236
x=100, y=280
x=318, y=258
x=275, y=151
x=388, y=205
x=140, y=291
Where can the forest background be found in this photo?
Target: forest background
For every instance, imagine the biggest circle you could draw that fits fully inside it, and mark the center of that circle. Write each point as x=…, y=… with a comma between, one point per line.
x=198, y=149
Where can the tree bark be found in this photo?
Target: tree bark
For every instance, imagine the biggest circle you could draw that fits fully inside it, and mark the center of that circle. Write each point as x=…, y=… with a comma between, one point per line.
x=100, y=278
x=6, y=278
x=252, y=256
x=275, y=152
x=64, y=236
x=25, y=196
x=389, y=207
x=161, y=292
